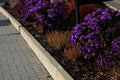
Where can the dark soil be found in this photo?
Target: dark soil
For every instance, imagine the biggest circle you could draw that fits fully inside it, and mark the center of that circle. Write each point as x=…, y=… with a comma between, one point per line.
x=81, y=69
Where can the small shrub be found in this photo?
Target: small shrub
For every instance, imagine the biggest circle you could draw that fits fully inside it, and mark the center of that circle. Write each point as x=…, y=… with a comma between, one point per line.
x=46, y=15
x=98, y=37
x=72, y=53
x=56, y=39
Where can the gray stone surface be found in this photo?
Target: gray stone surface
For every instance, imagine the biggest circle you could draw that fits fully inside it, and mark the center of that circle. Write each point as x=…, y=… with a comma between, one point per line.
x=114, y=3
x=17, y=60
x=118, y=1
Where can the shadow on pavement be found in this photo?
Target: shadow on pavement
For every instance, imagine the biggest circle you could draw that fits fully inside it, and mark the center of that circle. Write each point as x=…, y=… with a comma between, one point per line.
x=10, y=34
x=3, y=1
x=4, y=23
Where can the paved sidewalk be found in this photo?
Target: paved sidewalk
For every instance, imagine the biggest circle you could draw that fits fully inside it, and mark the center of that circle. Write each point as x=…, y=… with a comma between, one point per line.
x=17, y=60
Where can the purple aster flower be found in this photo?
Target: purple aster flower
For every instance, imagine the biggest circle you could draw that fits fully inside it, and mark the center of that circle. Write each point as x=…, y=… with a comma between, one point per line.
x=116, y=46
x=117, y=14
x=40, y=16
x=106, y=17
x=98, y=37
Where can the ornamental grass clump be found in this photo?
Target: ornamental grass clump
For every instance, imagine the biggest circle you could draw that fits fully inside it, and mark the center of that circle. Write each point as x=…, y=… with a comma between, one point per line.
x=72, y=53
x=98, y=37
x=57, y=40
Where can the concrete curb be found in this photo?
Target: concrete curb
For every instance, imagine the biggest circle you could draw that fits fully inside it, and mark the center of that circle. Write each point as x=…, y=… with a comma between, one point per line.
x=4, y=11
x=52, y=66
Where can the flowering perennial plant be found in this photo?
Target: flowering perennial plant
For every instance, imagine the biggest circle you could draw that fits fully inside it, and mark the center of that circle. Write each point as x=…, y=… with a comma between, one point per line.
x=42, y=13
x=17, y=8
x=98, y=37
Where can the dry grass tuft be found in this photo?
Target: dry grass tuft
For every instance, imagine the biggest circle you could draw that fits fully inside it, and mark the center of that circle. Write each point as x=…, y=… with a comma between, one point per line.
x=72, y=53
x=56, y=39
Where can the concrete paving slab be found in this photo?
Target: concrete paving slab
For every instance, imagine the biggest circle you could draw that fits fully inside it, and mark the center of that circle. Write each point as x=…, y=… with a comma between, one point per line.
x=17, y=60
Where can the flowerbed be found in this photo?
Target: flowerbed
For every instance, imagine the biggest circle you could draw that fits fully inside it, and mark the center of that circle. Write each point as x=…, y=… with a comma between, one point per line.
x=90, y=50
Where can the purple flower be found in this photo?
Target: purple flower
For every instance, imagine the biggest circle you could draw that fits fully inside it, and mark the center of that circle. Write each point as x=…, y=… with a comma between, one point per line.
x=35, y=23
x=40, y=16
x=117, y=14
x=116, y=46
x=49, y=15
x=106, y=17
x=98, y=11
x=98, y=37
x=105, y=61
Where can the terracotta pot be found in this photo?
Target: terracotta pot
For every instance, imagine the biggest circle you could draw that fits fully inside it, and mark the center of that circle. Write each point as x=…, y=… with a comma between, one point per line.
x=85, y=9
x=71, y=5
